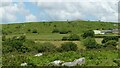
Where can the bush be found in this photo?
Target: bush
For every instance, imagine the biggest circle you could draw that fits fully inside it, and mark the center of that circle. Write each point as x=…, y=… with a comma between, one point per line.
x=46, y=47
x=34, y=31
x=89, y=33
x=55, y=31
x=3, y=38
x=69, y=46
x=64, y=38
x=64, y=31
x=108, y=38
x=73, y=37
x=90, y=43
x=111, y=43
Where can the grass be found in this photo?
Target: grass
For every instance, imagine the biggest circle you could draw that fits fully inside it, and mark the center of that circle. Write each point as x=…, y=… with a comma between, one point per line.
x=92, y=58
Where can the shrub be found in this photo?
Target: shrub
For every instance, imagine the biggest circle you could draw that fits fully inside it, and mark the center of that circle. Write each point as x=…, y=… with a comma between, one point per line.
x=64, y=31
x=22, y=38
x=111, y=43
x=29, y=30
x=55, y=31
x=3, y=38
x=88, y=33
x=107, y=38
x=90, y=42
x=46, y=47
x=34, y=31
x=65, y=38
x=69, y=46
x=73, y=37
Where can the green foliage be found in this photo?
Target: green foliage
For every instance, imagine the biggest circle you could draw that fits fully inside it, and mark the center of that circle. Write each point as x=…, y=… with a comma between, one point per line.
x=107, y=38
x=3, y=38
x=69, y=46
x=13, y=60
x=89, y=33
x=55, y=30
x=64, y=31
x=90, y=42
x=117, y=61
x=46, y=47
x=73, y=37
x=65, y=38
x=110, y=43
x=14, y=44
x=35, y=31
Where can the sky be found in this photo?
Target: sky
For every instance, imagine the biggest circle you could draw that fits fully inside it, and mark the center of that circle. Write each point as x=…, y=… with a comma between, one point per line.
x=17, y=11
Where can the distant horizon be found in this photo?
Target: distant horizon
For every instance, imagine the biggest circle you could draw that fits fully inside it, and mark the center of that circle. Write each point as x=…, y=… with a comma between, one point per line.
x=57, y=21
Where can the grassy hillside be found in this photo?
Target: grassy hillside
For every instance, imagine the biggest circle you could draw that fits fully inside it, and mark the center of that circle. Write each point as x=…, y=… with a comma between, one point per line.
x=46, y=27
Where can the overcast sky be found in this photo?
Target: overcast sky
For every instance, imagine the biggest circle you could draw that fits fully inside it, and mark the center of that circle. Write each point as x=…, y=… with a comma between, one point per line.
x=17, y=11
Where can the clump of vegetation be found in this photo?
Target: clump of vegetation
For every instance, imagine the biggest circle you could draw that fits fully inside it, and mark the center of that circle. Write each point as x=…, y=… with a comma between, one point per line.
x=110, y=43
x=69, y=46
x=89, y=33
x=71, y=37
x=14, y=44
x=46, y=47
x=65, y=38
x=35, y=31
x=108, y=38
x=74, y=37
x=3, y=38
x=90, y=43
x=55, y=30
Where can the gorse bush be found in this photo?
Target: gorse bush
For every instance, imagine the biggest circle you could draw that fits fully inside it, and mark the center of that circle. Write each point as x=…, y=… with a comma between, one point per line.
x=55, y=30
x=90, y=42
x=69, y=46
x=73, y=37
x=14, y=44
x=89, y=33
x=3, y=38
x=35, y=31
x=111, y=43
x=107, y=38
x=65, y=38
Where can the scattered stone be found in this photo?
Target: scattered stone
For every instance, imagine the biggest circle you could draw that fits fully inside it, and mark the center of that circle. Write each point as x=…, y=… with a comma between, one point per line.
x=23, y=64
x=40, y=54
x=56, y=62
x=79, y=61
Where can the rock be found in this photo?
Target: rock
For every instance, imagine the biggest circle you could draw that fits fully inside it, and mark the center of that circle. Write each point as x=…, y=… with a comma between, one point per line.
x=56, y=62
x=79, y=61
x=23, y=64
x=39, y=54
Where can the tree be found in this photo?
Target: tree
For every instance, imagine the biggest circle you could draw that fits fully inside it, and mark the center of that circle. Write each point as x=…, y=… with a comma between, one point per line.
x=88, y=33
x=90, y=43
